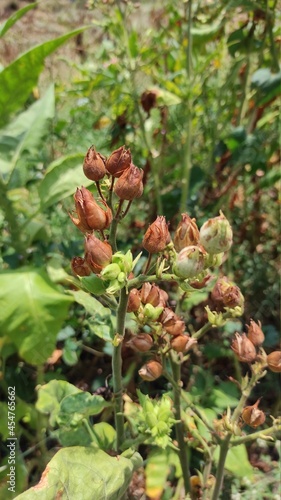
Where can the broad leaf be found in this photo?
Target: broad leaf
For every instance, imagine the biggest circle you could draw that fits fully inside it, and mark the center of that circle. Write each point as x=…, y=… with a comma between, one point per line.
x=4, y=27
x=62, y=178
x=267, y=84
x=18, y=79
x=92, y=305
x=50, y=396
x=237, y=461
x=76, y=407
x=25, y=133
x=158, y=468
x=82, y=473
x=32, y=312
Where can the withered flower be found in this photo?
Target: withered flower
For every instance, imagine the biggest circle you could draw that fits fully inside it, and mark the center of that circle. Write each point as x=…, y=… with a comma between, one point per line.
x=227, y=294
x=243, y=348
x=118, y=161
x=182, y=343
x=80, y=267
x=129, y=185
x=94, y=165
x=134, y=300
x=97, y=253
x=141, y=342
x=157, y=236
x=255, y=333
x=187, y=233
x=253, y=416
x=90, y=215
x=148, y=99
x=152, y=294
x=274, y=361
x=151, y=370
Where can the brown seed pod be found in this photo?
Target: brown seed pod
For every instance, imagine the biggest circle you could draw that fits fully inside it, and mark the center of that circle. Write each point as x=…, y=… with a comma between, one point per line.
x=253, y=416
x=255, y=333
x=274, y=361
x=243, y=348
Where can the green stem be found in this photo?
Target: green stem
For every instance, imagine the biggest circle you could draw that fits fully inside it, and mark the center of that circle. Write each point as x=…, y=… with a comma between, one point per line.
x=220, y=469
x=112, y=234
x=187, y=153
x=183, y=451
x=117, y=369
x=143, y=278
x=270, y=431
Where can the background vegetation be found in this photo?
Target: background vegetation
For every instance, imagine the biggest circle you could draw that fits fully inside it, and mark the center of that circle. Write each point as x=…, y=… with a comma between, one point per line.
x=192, y=88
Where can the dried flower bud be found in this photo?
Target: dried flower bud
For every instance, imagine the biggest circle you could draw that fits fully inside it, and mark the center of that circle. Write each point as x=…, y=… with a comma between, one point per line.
x=253, y=416
x=157, y=236
x=187, y=233
x=255, y=333
x=227, y=294
x=118, y=161
x=182, y=343
x=141, y=342
x=274, y=361
x=200, y=284
x=90, y=215
x=129, y=185
x=80, y=267
x=243, y=348
x=94, y=165
x=152, y=294
x=148, y=99
x=134, y=300
x=171, y=323
x=97, y=253
x=151, y=371
x=216, y=235
x=189, y=262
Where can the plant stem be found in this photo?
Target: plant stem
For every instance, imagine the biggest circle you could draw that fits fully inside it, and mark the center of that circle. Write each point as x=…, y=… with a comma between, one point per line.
x=117, y=369
x=112, y=234
x=187, y=153
x=220, y=469
x=183, y=451
x=270, y=431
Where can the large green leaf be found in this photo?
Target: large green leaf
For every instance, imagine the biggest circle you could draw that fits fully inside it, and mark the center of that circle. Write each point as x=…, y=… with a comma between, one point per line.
x=62, y=178
x=4, y=27
x=25, y=133
x=237, y=461
x=75, y=407
x=85, y=473
x=32, y=312
x=267, y=84
x=50, y=396
x=18, y=79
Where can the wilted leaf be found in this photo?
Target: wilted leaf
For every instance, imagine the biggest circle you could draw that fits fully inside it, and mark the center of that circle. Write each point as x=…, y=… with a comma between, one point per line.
x=85, y=474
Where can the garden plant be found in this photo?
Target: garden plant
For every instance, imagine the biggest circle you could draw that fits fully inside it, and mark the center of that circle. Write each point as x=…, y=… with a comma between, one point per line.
x=140, y=354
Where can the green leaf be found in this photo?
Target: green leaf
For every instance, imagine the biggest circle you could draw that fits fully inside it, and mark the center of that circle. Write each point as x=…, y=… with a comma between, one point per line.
x=93, y=284
x=82, y=473
x=158, y=468
x=268, y=85
x=61, y=179
x=25, y=133
x=32, y=312
x=4, y=27
x=76, y=407
x=105, y=435
x=237, y=461
x=50, y=396
x=18, y=79
x=92, y=305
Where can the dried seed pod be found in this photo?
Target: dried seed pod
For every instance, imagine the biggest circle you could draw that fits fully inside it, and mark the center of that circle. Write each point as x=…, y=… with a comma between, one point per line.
x=157, y=236
x=129, y=185
x=152, y=294
x=255, y=333
x=189, y=262
x=80, y=267
x=171, y=323
x=151, y=370
x=94, y=165
x=118, y=161
x=243, y=348
x=148, y=99
x=216, y=235
x=274, y=361
x=134, y=300
x=253, y=416
x=226, y=294
x=141, y=342
x=97, y=253
x=187, y=233
x=182, y=343
x=90, y=216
